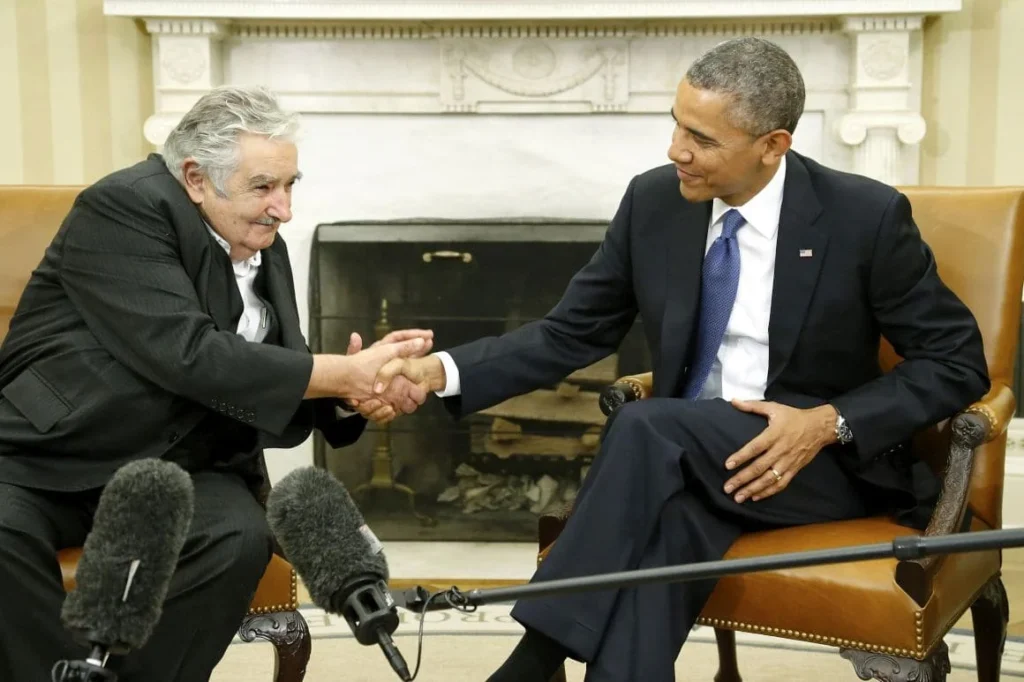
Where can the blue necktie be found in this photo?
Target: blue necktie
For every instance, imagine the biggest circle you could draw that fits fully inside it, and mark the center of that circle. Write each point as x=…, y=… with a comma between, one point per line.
x=719, y=280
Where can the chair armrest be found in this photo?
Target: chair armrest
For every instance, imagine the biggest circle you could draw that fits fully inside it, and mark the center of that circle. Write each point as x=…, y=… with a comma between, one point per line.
x=980, y=423
x=996, y=410
x=626, y=390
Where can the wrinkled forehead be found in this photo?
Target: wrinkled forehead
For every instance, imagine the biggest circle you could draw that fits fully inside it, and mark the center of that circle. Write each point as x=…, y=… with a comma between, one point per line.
x=266, y=160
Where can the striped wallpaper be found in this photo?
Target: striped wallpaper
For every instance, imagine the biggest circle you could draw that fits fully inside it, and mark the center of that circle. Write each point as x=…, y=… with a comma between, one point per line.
x=78, y=86
x=972, y=97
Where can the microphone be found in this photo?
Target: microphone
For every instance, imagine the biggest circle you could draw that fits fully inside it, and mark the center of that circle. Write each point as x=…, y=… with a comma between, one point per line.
x=338, y=557
x=128, y=558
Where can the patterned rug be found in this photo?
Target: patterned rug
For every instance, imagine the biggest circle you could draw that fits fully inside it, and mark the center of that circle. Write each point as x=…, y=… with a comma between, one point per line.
x=470, y=646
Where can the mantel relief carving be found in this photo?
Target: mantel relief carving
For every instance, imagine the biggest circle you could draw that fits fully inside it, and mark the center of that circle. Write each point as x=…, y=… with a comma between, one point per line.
x=496, y=71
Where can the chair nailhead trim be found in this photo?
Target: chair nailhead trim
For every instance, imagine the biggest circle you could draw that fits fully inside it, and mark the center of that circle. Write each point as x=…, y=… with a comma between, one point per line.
x=276, y=608
x=919, y=654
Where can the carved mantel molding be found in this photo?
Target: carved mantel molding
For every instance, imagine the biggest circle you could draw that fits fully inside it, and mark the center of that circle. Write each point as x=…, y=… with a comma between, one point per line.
x=859, y=57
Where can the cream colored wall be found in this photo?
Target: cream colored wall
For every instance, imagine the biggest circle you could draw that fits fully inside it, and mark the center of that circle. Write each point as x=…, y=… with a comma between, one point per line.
x=78, y=86
x=973, y=95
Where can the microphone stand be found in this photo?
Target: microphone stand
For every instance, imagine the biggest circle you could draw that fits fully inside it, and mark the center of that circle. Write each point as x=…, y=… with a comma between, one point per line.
x=419, y=600
x=89, y=670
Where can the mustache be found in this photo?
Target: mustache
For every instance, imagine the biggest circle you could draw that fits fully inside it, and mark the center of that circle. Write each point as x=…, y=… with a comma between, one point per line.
x=268, y=221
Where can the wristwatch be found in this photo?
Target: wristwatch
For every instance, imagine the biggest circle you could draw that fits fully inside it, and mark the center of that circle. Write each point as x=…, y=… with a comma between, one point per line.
x=843, y=433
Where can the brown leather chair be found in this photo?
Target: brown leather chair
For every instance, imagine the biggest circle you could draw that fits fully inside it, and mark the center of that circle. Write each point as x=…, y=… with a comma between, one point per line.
x=29, y=217
x=888, y=617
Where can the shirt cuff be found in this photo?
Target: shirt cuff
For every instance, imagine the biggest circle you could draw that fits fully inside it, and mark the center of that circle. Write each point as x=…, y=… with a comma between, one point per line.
x=451, y=372
x=343, y=413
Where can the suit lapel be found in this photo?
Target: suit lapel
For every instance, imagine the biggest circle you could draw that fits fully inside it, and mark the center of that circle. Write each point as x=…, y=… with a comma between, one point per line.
x=799, y=254
x=222, y=297
x=687, y=230
x=281, y=297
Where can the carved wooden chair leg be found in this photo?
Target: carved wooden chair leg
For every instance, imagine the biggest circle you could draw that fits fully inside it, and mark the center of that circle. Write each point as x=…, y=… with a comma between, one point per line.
x=728, y=666
x=289, y=633
x=871, y=666
x=990, y=613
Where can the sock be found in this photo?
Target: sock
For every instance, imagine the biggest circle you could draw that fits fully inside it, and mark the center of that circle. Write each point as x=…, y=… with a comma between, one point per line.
x=535, y=659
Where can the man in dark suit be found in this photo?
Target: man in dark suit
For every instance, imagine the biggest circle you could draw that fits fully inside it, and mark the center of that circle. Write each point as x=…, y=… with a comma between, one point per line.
x=162, y=322
x=764, y=281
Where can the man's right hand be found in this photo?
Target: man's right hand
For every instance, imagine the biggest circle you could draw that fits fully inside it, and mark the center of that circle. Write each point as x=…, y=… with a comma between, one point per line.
x=352, y=377
x=427, y=373
x=402, y=397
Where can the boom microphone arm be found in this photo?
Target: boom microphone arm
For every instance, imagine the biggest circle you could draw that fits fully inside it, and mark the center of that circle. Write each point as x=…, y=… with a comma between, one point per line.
x=418, y=599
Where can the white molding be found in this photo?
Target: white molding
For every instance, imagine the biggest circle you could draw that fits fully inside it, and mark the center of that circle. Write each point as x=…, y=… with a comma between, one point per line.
x=511, y=9
x=865, y=23
x=1013, y=477
x=341, y=30
x=192, y=27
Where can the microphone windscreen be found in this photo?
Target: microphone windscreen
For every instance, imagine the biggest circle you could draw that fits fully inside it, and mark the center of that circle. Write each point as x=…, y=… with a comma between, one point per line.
x=323, y=535
x=141, y=522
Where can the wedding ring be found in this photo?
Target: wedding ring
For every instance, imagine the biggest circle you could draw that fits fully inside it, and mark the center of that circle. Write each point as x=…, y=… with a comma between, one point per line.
x=778, y=476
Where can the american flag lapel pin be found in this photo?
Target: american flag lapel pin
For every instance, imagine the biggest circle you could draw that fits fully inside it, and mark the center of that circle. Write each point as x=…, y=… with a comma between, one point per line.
x=806, y=253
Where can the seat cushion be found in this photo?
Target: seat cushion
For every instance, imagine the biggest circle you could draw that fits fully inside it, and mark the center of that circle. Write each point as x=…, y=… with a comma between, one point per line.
x=277, y=591
x=856, y=604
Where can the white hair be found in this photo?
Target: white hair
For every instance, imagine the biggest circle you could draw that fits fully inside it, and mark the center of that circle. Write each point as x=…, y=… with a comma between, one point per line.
x=210, y=130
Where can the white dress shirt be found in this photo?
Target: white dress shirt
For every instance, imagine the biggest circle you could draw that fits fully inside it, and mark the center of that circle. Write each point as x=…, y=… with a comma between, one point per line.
x=740, y=369
x=741, y=366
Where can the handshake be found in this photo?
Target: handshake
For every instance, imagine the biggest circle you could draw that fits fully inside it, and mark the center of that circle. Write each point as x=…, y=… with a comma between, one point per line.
x=391, y=377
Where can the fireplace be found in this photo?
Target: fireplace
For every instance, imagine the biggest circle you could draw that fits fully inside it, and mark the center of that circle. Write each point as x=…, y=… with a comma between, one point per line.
x=480, y=114
x=487, y=477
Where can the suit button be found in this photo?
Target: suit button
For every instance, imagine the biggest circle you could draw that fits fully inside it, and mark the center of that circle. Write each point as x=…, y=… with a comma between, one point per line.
x=172, y=437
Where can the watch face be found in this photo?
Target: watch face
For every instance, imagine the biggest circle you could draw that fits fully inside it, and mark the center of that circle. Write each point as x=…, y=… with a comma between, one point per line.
x=843, y=432
x=845, y=435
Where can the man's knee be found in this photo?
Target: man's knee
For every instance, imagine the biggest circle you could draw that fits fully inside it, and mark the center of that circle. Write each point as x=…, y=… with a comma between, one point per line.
x=653, y=415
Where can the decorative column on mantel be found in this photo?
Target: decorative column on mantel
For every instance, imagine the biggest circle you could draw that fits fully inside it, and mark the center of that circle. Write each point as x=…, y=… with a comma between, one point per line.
x=881, y=122
x=187, y=63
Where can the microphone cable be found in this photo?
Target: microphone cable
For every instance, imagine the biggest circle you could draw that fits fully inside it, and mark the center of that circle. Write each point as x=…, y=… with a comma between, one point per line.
x=456, y=601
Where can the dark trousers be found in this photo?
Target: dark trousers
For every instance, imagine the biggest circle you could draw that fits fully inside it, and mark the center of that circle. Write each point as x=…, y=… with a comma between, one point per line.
x=221, y=563
x=654, y=497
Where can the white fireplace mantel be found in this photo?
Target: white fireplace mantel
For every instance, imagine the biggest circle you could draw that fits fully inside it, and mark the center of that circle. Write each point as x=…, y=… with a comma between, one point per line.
x=861, y=59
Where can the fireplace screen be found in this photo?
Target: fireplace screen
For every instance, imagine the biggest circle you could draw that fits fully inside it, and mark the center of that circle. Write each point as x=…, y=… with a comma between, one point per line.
x=488, y=476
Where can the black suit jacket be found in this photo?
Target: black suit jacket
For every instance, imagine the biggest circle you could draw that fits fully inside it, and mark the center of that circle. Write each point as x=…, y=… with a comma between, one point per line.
x=124, y=339
x=870, y=274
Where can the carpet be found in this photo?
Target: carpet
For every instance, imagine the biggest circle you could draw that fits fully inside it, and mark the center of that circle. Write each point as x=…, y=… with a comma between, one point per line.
x=469, y=647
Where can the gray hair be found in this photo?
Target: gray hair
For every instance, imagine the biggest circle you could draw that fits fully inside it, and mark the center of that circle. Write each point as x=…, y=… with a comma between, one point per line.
x=763, y=80
x=210, y=130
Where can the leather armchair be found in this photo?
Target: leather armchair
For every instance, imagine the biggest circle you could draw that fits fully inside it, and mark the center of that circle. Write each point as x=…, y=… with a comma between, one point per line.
x=29, y=218
x=889, y=617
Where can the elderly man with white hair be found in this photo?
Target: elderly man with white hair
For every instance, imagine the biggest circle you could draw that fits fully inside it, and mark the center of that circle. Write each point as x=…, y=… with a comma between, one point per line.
x=162, y=323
